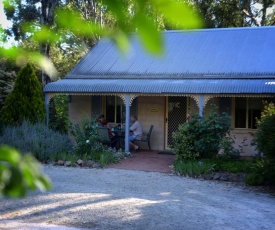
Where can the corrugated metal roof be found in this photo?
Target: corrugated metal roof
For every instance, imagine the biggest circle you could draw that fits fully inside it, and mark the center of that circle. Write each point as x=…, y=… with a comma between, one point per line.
x=158, y=86
x=210, y=53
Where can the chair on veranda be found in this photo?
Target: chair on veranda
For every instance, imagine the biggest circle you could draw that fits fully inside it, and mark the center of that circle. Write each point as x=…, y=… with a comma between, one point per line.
x=146, y=137
x=104, y=135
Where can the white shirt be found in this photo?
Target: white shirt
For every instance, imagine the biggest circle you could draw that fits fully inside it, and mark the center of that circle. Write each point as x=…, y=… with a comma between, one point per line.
x=137, y=129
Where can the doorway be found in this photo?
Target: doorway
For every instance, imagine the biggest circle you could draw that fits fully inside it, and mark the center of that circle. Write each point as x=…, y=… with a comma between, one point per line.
x=176, y=110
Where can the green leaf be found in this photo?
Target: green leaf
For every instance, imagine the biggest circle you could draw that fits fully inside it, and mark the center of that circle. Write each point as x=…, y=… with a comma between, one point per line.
x=5, y=174
x=178, y=14
x=116, y=7
x=9, y=155
x=15, y=186
x=18, y=174
x=28, y=177
x=43, y=183
x=121, y=40
x=45, y=34
x=74, y=22
x=150, y=37
x=22, y=57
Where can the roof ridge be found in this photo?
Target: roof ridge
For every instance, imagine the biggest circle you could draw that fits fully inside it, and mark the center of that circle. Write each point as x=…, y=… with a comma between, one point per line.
x=212, y=29
x=219, y=52
x=218, y=29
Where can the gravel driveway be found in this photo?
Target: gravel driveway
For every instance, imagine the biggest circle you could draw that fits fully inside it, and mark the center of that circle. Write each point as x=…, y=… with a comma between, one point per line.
x=121, y=199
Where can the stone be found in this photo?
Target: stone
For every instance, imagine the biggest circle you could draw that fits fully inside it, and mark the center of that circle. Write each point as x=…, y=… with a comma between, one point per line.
x=97, y=165
x=224, y=177
x=233, y=178
x=208, y=176
x=217, y=176
x=88, y=163
x=79, y=162
x=60, y=162
x=68, y=163
x=44, y=162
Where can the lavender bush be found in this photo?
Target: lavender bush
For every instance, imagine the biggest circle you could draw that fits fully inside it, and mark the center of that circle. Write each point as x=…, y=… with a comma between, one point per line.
x=37, y=139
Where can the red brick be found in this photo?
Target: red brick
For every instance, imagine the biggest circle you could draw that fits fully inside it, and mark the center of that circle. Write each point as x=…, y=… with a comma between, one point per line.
x=146, y=161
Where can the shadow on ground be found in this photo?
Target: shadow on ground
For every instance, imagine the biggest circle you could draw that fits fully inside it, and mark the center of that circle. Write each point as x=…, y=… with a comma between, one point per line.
x=124, y=199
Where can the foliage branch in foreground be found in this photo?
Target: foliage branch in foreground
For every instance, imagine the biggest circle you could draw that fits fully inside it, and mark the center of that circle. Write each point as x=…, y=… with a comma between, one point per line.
x=19, y=174
x=129, y=16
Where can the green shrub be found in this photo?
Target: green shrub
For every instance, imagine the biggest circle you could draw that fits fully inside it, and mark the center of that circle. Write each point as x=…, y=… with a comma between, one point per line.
x=184, y=142
x=25, y=102
x=265, y=135
x=59, y=118
x=107, y=158
x=87, y=141
x=64, y=156
x=193, y=167
x=269, y=172
x=227, y=149
x=257, y=174
x=201, y=137
x=265, y=140
x=254, y=179
x=37, y=139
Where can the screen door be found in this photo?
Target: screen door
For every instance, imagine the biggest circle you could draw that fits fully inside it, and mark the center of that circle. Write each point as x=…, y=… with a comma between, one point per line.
x=176, y=110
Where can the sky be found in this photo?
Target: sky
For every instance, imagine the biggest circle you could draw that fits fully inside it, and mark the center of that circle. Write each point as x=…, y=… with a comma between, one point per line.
x=3, y=20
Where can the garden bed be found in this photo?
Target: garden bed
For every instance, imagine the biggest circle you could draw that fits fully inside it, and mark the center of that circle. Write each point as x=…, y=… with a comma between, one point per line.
x=71, y=160
x=235, y=172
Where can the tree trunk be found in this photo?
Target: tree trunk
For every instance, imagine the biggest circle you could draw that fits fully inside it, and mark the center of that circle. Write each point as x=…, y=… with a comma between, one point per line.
x=265, y=5
x=47, y=17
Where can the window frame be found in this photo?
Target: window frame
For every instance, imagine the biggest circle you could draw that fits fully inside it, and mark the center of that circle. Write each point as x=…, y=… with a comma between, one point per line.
x=115, y=115
x=246, y=113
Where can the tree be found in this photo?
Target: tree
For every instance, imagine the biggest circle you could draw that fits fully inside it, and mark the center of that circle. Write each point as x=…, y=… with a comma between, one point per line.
x=6, y=85
x=25, y=102
x=7, y=78
x=236, y=13
x=29, y=11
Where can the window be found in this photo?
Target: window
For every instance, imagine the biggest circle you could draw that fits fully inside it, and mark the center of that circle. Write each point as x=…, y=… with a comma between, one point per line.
x=96, y=106
x=246, y=112
x=115, y=109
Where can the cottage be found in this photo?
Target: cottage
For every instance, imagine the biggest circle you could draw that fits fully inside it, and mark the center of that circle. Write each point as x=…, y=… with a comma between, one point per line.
x=232, y=68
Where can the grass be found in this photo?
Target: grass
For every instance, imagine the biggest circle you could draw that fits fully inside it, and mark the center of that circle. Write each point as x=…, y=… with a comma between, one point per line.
x=203, y=166
x=108, y=158
x=231, y=165
x=193, y=167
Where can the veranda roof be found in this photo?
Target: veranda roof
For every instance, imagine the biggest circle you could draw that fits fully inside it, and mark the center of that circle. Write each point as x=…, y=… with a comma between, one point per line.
x=169, y=86
x=209, y=61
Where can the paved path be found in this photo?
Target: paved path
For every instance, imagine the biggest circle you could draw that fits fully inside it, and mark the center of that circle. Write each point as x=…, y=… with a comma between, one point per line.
x=149, y=161
x=124, y=199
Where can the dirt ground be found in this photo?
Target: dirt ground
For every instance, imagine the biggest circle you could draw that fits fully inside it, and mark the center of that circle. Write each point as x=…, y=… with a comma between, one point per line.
x=125, y=199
